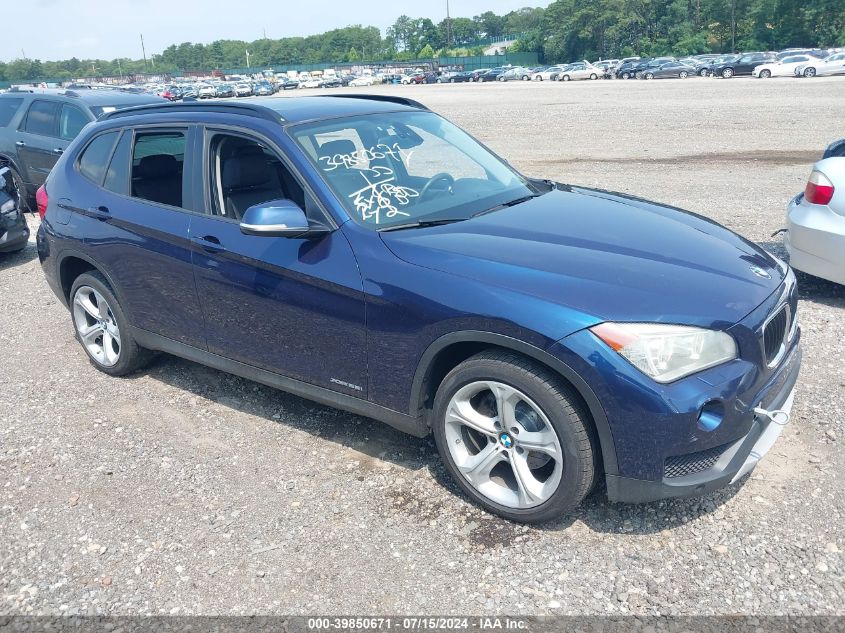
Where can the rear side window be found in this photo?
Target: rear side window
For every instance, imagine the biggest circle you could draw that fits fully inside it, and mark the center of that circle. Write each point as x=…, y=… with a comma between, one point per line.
x=71, y=122
x=8, y=109
x=41, y=118
x=95, y=157
x=157, y=166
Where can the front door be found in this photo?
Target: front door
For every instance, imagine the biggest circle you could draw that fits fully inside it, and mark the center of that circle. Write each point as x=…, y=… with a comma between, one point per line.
x=291, y=306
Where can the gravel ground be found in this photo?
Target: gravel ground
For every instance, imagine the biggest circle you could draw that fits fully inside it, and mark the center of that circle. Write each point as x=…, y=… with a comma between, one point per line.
x=185, y=490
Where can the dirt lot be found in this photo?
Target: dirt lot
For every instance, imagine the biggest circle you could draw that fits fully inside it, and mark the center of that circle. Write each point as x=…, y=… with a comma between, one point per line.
x=184, y=490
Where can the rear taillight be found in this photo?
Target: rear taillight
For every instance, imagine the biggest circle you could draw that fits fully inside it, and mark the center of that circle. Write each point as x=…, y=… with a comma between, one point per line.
x=819, y=189
x=41, y=201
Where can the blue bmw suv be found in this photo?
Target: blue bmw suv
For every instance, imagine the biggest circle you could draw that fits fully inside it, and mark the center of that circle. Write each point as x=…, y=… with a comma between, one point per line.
x=365, y=253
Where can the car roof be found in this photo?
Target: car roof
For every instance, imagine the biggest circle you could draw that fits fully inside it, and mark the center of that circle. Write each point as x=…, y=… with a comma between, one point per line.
x=99, y=97
x=286, y=109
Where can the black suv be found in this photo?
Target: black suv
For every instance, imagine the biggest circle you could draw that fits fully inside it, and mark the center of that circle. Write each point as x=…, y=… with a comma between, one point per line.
x=36, y=127
x=742, y=65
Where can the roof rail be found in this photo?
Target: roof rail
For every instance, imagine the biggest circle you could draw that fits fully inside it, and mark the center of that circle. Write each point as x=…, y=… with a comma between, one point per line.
x=246, y=109
x=387, y=98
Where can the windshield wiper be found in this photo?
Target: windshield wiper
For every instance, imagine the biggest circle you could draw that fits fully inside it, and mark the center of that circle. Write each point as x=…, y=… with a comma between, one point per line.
x=509, y=203
x=420, y=224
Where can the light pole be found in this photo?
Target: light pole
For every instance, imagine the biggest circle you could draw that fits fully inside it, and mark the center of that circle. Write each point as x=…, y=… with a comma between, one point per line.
x=247, y=60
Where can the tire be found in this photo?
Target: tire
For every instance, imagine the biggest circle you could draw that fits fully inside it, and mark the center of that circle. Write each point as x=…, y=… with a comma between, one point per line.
x=130, y=356
x=810, y=72
x=451, y=81
x=683, y=74
x=539, y=400
x=566, y=78
x=594, y=76
x=525, y=78
x=649, y=75
x=765, y=74
x=19, y=191
x=626, y=75
x=727, y=73
x=702, y=72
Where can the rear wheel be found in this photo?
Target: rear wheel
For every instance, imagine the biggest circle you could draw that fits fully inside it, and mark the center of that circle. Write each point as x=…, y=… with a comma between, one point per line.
x=626, y=75
x=702, y=72
x=102, y=328
x=683, y=74
x=649, y=75
x=514, y=437
x=594, y=76
x=565, y=78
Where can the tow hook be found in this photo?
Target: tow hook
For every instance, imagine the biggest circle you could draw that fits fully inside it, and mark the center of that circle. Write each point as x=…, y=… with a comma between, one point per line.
x=779, y=417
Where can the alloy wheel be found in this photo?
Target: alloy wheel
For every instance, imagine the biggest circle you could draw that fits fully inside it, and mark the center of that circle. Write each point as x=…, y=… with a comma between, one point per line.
x=96, y=326
x=503, y=444
x=810, y=72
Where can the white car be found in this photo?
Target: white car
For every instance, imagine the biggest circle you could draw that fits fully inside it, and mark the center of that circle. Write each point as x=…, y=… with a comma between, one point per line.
x=314, y=82
x=831, y=65
x=548, y=73
x=358, y=82
x=206, y=91
x=243, y=90
x=784, y=68
x=815, y=236
x=580, y=70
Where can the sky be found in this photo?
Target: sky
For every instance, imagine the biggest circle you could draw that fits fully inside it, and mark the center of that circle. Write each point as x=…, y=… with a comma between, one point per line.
x=106, y=29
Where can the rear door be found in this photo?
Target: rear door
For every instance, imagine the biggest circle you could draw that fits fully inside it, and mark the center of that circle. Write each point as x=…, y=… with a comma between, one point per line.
x=136, y=220
x=37, y=141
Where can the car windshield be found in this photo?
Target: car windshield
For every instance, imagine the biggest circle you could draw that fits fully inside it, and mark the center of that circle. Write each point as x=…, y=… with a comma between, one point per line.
x=408, y=167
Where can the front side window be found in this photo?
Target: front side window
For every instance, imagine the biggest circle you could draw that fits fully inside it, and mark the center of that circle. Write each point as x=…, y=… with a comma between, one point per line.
x=408, y=167
x=94, y=158
x=41, y=118
x=157, y=167
x=71, y=122
x=245, y=173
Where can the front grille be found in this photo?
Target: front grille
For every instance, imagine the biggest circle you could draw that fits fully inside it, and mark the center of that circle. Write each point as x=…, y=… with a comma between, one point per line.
x=774, y=334
x=692, y=463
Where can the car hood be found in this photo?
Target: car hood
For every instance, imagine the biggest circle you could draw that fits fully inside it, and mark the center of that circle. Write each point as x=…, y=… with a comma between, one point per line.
x=608, y=255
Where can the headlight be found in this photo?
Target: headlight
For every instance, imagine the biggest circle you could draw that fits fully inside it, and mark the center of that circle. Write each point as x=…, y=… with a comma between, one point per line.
x=667, y=352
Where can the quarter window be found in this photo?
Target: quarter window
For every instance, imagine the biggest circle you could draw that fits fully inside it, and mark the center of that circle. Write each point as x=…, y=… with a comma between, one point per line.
x=95, y=157
x=117, y=175
x=157, y=167
x=41, y=118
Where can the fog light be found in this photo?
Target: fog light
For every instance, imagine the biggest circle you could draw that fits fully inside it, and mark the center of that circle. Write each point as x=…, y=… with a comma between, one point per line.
x=711, y=415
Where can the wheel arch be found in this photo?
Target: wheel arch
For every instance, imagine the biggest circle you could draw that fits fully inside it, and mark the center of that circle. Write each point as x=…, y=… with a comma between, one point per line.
x=72, y=263
x=451, y=349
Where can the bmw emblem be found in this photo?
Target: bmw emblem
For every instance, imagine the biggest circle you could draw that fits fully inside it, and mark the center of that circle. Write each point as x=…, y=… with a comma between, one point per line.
x=760, y=272
x=506, y=440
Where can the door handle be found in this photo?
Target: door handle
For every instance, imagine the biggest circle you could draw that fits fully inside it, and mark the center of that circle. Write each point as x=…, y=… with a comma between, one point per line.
x=58, y=151
x=101, y=212
x=20, y=143
x=208, y=243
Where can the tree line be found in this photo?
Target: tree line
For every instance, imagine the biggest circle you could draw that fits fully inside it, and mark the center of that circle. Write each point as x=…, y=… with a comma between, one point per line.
x=565, y=30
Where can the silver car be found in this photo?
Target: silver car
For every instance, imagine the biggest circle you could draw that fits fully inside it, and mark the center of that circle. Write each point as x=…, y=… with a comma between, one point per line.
x=815, y=236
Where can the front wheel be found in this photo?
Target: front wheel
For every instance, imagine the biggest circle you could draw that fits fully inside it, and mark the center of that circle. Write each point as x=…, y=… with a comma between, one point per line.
x=683, y=74
x=702, y=72
x=727, y=73
x=566, y=78
x=594, y=76
x=649, y=75
x=810, y=72
x=514, y=437
x=102, y=328
x=765, y=74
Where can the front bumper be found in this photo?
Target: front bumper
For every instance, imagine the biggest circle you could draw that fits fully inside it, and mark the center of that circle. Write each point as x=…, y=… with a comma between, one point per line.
x=732, y=462
x=815, y=240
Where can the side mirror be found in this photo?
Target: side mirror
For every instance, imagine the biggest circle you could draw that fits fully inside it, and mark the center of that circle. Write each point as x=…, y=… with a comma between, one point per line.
x=279, y=218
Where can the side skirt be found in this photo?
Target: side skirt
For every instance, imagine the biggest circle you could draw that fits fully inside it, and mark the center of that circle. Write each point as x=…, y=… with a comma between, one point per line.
x=401, y=421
